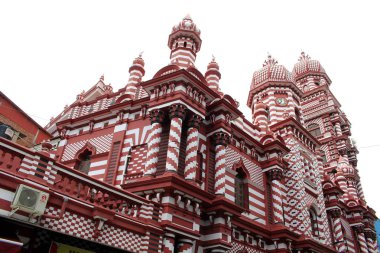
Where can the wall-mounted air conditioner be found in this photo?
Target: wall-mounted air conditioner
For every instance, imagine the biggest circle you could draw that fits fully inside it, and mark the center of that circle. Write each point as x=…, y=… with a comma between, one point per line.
x=29, y=200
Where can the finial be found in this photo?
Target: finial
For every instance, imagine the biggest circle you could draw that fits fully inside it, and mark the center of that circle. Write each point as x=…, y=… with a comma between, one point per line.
x=140, y=54
x=101, y=77
x=213, y=58
x=304, y=57
x=270, y=61
x=187, y=16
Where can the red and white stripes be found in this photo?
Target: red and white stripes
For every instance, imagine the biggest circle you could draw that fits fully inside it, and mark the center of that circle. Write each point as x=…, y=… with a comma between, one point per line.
x=136, y=72
x=221, y=141
x=169, y=243
x=278, y=212
x=185, y=246
x=154, y=139
x=361, y=239
x=192, y=148
x=372, y=247
x=338, y=230
x=177, y=113
x=213, y=76
x=261, y=117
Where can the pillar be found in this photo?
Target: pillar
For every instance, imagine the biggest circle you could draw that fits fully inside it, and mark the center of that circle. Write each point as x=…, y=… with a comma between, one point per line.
x=185, y=246
x=371, y=241
x=275, y=175
x=154, y=139
x=338, y=129
x=192, y=148
x=176, y=114
x=169, y=243
x=339, y=242
x=221, y=141
x=361, y=239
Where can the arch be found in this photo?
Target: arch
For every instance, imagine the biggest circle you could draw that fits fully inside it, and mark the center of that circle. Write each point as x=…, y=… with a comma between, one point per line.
x=83, y=158
x=241, y=186
x=314, y=129
x=124, y=98
x=230, y=100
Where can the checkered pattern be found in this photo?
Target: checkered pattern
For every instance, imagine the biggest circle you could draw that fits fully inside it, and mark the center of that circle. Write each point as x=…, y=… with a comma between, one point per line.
x=71, y=224
x=138, y=159
x=305, y=65
x=240, y=248
x=101, y=143
x=120, y=238
x=82, y=227
x=254, y=170
x=271, y=72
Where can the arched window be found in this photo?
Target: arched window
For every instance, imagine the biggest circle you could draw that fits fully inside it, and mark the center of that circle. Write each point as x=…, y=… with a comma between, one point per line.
x=314, y=129
x=241, y=186
x=239, y=189
x=84, y=161
x=313, y=222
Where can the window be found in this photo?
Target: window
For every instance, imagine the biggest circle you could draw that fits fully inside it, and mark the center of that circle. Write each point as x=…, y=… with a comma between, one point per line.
x=313, y=222
x=314, y=129
x=84, y=161
x=239, y=189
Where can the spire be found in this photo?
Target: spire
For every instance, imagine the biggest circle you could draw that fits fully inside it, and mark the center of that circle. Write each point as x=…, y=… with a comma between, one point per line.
x=304, y=57
x=136, y=72
x=184, y=42
x=270, y=61
x=213, y=76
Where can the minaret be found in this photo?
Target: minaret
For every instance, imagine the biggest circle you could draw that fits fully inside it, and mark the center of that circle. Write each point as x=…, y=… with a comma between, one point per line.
x=274, y=86
x=184, y=43
x=213, y=76
x=136, y=72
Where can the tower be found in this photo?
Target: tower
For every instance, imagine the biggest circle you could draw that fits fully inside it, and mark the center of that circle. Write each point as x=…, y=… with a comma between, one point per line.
x=274, y=86
x=184, y=43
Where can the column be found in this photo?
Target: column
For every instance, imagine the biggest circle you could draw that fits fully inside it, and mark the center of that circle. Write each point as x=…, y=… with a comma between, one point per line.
x=221, y=141
x=176, y=114
x=339, y=242
x=154, y=139
x=185, y=246
x=192, y=148
x=361, y=239
x=275, y=175
x=371, y=239
x=338, y=129
x=169, y=242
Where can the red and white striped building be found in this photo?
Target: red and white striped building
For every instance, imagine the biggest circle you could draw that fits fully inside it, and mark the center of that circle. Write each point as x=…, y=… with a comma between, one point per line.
x=171, y=164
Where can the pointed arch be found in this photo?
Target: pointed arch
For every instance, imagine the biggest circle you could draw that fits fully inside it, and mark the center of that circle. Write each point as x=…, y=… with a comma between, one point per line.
x=241, y=184
x=83, y=158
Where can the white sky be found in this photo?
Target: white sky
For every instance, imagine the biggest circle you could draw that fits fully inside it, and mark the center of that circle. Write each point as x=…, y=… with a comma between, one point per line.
x=51, y=50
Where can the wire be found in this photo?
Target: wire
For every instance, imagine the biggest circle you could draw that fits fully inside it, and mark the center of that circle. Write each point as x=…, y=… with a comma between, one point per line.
x=371, y=146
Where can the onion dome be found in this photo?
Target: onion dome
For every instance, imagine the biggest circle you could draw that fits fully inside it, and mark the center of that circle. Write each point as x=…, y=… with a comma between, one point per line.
x=307, y=66
x=186, y=28
x=271, y=72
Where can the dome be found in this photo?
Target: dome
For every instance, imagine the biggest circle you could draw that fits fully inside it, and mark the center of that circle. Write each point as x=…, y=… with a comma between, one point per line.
x=306, y=65
x=271, y=72
x=213, y=64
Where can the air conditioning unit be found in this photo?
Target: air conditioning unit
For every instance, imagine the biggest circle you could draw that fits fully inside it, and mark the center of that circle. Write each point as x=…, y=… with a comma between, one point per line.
x=29, y=200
